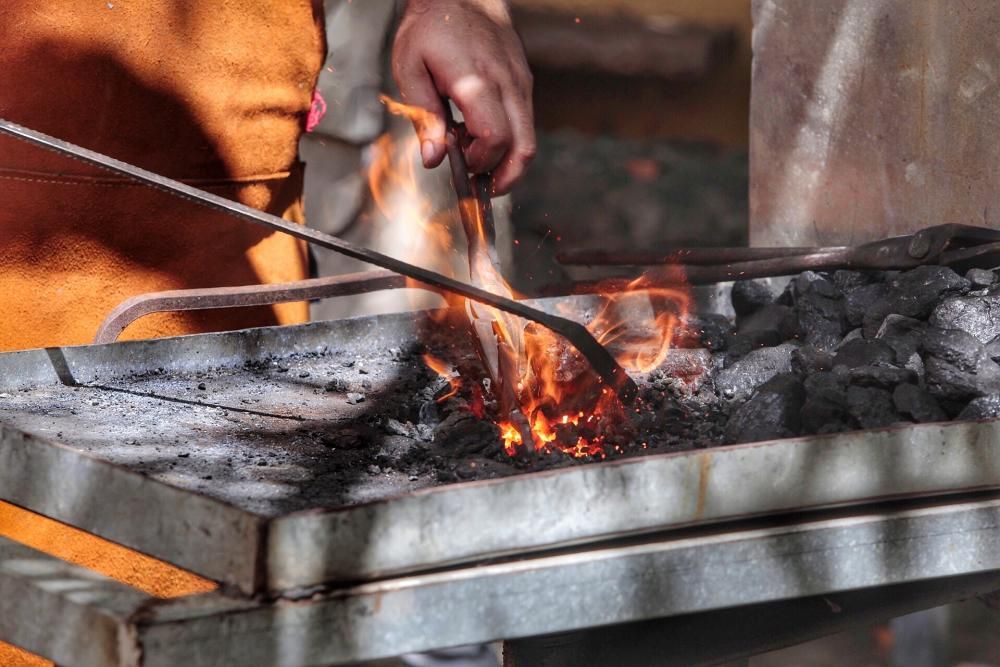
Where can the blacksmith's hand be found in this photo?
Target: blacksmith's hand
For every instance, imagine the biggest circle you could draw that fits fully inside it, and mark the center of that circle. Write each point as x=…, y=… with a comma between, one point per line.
x=467, y=51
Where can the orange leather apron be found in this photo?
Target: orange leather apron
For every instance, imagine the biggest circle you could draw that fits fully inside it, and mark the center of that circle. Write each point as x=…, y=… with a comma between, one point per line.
x=212, y=93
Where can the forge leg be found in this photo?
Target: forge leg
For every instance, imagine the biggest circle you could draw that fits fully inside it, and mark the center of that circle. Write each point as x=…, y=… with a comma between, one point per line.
x=921, y=639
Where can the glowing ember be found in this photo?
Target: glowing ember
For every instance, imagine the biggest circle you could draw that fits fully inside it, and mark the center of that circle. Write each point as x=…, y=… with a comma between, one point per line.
x=445, y=371
x=566, y=405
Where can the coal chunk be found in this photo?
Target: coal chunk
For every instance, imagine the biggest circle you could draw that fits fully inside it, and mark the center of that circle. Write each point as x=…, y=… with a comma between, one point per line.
x=980, y=277
x=903, y=334
x=946, y=381
x=984, y=407
x=689, y=368
x=864, y=352
x=744, y=376
x=882, y=376
x=918, y=404
x=807, y=360
x=858, y=302
x=704, y=331
x=871, y=407
x=767, y=327
x=958, y=367
x=993, y=349
x=853, y=334
x=825, y=408
x=821, y=311
x=462, y=432
x=773, y=412
x=749, y=296
x=848, y=281
x=976, y=315
x=955, y=346
x=914, y=293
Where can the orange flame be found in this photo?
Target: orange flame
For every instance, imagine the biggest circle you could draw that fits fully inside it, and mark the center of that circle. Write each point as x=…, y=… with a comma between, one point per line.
x=567, y=408
x=444, y=371
x=642, y=321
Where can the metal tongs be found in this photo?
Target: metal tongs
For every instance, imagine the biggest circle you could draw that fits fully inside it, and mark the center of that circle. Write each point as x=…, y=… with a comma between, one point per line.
x=961, y=247
x=499, y=346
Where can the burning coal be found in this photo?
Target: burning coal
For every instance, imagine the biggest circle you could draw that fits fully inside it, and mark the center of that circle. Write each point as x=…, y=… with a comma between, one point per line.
x=550, y=399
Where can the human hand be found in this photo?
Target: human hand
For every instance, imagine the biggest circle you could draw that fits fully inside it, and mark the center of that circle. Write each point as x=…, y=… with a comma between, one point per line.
x=467, y=51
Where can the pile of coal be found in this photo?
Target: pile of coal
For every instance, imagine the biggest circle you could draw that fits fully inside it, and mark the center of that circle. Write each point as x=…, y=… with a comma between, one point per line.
x=853, y=350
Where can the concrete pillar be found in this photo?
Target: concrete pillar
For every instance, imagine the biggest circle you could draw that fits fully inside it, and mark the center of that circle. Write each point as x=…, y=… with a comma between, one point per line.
x=873, y=118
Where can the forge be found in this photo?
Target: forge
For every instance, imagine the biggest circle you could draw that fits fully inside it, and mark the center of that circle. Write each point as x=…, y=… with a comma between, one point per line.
x=328, y=467
x=294, y=460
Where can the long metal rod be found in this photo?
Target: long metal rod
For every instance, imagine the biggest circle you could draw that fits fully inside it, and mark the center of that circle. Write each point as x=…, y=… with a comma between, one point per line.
x=243, y=296
x=602, y=361
x=690, y=256
x=499, y=354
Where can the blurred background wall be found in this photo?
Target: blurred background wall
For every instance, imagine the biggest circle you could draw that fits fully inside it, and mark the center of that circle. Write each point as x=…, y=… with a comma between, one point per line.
x=713, y=108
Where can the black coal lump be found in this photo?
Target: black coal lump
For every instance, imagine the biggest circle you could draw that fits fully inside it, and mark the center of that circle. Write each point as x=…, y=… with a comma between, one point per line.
x=872, y=407
x=984, y=407
x=741, y=378
x=704, y=331
x=957, y=366
x=954, y=346
x=848, y=281
x=770, y=326
x=821, y=310
x=858, y=302
x=976, y=315
x=749, y=296
x=918, y=404
x=914, y=293
x=825, y=407
x=807, y=360
x=773, y=412
x=882, y=376
x=980, y=277
x=864, y=352
x=993, y=349
x=903, y=334
x=946, y=381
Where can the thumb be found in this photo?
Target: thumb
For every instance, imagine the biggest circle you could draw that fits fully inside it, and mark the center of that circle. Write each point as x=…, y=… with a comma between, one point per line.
x=428, y=117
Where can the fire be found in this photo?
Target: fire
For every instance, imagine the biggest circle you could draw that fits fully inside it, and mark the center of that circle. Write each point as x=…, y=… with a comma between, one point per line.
x=444, y=371
x=566, y=407
x=642, y=320
x=419, y=234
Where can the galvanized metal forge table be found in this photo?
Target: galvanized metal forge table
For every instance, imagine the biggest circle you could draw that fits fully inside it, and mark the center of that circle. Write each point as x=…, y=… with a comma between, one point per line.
x=693, y=558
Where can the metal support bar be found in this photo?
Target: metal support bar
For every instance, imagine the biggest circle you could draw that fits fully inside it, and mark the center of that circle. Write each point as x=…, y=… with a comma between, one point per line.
x=589, y=588
x=705, y=640
x=66, y=613
x=944, y=545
